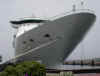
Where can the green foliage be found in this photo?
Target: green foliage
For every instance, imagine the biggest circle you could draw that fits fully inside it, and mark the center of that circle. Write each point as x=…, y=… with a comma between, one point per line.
x=66, y=74
x=30, y=67
x=69, y=74
x=3, y=73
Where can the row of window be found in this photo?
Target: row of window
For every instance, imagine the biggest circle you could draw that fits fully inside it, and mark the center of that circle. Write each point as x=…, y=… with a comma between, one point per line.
x=32, y=40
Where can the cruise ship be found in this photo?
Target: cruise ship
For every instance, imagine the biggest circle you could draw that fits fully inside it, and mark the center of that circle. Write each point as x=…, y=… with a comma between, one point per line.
x=50, y=41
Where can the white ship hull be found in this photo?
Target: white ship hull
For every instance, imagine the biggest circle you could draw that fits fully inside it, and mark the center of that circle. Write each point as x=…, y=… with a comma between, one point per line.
x=54, y=40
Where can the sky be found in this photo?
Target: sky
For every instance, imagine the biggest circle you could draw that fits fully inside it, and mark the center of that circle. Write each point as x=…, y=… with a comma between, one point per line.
x=12, y=9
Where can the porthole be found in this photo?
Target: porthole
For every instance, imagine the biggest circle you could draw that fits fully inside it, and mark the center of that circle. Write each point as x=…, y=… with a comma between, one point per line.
x=24, y=42
x=47, y=35
x=31, y=40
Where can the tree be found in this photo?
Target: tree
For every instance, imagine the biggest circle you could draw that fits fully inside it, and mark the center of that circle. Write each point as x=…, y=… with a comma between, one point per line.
x=3, y=73
x=30, y=68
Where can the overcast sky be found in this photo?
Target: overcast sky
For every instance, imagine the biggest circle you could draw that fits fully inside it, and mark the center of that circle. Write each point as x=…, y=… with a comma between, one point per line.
x=10, y=9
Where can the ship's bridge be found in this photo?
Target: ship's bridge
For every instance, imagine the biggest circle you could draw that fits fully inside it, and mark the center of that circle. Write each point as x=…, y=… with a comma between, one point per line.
x=26, y=24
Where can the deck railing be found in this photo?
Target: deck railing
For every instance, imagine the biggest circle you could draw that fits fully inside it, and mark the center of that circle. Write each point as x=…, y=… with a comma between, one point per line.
x=71, y=12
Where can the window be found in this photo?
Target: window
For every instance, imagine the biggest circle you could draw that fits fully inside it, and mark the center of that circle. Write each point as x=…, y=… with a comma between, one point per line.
x=24, y=42
x=47, y=35
x=31, y=40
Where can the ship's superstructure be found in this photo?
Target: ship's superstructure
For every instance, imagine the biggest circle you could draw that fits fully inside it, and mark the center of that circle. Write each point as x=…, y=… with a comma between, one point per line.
x=50, y=41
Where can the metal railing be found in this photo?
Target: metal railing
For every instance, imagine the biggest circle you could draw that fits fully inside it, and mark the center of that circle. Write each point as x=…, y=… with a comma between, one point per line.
x=71, y=12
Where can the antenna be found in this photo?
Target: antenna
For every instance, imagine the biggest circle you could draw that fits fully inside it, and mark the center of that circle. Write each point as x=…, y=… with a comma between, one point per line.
x=74, y=6
x=33, y=16
x=82, y=4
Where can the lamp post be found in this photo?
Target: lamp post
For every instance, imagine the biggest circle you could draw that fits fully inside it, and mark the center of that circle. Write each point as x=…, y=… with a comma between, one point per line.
x=0, y=58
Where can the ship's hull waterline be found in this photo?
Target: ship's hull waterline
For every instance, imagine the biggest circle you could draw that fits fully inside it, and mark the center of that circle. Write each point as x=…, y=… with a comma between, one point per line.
x=53, y=41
